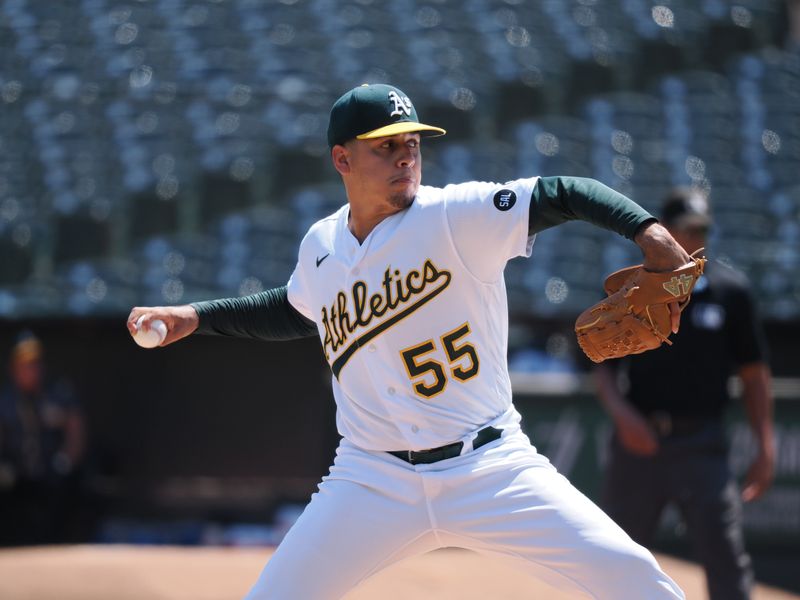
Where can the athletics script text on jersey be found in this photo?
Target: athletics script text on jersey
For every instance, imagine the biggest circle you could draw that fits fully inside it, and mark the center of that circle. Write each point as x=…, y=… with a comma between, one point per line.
x=400, y=294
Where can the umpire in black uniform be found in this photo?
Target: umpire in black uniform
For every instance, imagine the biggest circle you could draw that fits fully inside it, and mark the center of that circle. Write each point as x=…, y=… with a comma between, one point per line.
x=667, y=405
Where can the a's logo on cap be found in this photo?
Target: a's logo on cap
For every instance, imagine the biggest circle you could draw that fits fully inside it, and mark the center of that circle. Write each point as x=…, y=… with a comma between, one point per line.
x=505, y=199
x=402, y=105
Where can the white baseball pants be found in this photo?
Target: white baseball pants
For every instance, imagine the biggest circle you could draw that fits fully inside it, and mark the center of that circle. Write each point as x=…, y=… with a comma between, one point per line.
x=503, y=499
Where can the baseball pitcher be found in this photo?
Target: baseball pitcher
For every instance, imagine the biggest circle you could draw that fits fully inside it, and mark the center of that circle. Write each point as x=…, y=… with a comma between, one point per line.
x=404, y=287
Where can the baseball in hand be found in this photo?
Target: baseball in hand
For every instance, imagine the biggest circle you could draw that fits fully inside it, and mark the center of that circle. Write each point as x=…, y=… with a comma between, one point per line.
x=153, y=337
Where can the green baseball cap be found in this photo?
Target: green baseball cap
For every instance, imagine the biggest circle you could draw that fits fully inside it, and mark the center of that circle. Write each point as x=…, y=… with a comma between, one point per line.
x=372, y=111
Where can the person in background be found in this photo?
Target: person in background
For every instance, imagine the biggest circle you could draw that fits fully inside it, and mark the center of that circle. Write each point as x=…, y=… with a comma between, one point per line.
x=667, y=406
x=42, y=447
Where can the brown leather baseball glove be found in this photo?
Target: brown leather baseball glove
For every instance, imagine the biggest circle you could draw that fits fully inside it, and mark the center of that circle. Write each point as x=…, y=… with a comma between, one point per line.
x=635, y=316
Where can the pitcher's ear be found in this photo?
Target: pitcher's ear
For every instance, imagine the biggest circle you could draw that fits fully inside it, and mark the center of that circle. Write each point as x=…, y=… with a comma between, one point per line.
x=341, y=158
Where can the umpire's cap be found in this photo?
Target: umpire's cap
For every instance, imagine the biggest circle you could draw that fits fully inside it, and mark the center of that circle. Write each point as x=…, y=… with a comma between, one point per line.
x=374, y=110
x=686, y=208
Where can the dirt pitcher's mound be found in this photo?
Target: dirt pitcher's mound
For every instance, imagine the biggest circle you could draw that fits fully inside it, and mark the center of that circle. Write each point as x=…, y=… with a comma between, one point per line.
x=169, y=573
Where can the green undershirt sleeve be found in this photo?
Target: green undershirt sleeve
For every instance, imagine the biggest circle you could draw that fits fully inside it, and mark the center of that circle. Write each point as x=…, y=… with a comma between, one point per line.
x=556, y=200
x=267, y=315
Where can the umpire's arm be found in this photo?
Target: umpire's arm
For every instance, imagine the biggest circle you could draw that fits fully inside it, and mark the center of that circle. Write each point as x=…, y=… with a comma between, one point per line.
x=758, y=403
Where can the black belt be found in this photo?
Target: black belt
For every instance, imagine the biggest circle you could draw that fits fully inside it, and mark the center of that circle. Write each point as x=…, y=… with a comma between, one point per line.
x=666, y=425
x=426, y=457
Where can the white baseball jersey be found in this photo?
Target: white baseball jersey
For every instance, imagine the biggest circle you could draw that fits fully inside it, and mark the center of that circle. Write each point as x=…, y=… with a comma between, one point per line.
x=414, y=321
x=414, y=324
